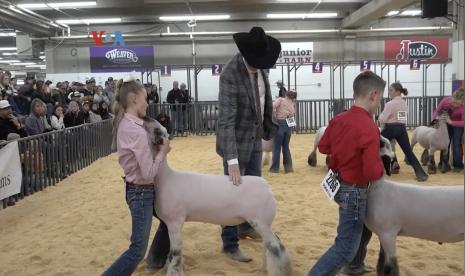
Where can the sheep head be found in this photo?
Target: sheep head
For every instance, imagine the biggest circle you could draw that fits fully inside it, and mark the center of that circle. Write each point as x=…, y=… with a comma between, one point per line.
x=386, y=153
x=157, y=133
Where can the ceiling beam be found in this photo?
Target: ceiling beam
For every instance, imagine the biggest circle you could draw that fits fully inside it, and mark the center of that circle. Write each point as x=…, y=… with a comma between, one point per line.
x=373, y=10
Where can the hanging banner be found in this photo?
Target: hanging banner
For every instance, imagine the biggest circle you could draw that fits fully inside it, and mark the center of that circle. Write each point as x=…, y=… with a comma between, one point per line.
x=165, y=71
x=121, y=59
x=10, y=171
x=296, y=52
x=414, y=64
x=317, y=67
x=365, y=65
x=429, y=50
x=217, y=69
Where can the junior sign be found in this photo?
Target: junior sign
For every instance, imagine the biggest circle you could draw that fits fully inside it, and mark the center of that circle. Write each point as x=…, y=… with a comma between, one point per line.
x=425, y=49
x=298, y=52
x=121, y=59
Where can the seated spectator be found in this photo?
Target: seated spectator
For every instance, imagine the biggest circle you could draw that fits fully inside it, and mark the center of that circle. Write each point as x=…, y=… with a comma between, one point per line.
x=59, y=95
x=25, y=92
x=8, y=93
x=57, y=118
x=74, y=116
x=94, y=116
x=14, y=84
x=85, y=111
x=42, y=92
x=103, y=111
x=100, y=97
x=75, y=96
x=37, y=123
x=8, y=122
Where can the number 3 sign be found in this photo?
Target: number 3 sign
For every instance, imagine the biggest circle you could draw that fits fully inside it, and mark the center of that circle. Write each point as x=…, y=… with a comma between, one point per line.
x=217, y=69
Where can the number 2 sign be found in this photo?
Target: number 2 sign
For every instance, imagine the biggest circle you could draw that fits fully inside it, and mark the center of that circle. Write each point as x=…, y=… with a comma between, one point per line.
x=217, y=69
x=365, y=65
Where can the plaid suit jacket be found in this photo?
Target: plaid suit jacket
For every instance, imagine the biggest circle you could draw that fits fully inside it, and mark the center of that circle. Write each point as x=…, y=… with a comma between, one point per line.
x=237, y=118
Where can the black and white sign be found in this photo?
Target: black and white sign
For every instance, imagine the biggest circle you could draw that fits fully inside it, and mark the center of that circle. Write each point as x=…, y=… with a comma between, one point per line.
x=402, y=116
x=10, y=171
x=330, y=184
x=291, y=122
x=317, y=67
x=365, y=65
x=217, y=69
x=415, y=64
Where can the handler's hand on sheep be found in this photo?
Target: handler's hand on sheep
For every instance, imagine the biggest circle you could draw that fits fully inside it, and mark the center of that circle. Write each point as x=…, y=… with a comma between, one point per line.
x=234, y=174
x=165, y=147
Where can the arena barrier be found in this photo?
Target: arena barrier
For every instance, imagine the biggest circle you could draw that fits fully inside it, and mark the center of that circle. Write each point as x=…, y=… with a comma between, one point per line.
x=200, y=118
x=48, y=158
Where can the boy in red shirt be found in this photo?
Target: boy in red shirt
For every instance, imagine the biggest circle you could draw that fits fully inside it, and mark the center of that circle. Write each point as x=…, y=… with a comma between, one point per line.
x=352, y=139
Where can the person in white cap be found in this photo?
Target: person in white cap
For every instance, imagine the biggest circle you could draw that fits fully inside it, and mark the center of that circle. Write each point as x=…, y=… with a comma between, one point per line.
x=8, y=122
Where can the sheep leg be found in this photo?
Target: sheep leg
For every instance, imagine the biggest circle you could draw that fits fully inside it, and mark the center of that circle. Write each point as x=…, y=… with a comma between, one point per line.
x=388, y=244
x=266, y=158
x=413, y=142
x=431, y=162
x=312, y=159
x=175, y=255
x=277, y=261
x=424, y=157
x=381, y=261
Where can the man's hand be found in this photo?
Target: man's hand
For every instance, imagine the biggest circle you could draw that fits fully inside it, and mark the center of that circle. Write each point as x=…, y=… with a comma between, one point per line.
x=234, y=174
x=15, y=121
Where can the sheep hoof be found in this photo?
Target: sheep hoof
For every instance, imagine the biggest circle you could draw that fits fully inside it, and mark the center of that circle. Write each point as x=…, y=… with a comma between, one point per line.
x=312, y=159
x=431, y=170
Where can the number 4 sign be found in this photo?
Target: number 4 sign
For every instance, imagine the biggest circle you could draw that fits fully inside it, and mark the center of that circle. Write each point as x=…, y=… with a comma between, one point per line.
x=365, y=65
x=317, y=67
x=165, y=71
x=414, y=64
x=217, y=69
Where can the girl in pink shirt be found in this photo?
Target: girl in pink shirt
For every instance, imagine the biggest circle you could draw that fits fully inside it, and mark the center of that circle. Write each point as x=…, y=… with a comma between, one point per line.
x=283, y=108
x=394, y=118
x=131, y=142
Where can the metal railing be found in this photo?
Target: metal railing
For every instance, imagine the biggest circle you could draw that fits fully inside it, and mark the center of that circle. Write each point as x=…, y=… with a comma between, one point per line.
x=48, y=158
x=200, y=118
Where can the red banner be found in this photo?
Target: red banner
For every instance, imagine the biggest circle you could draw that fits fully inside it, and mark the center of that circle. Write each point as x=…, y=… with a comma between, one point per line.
x=428, y=50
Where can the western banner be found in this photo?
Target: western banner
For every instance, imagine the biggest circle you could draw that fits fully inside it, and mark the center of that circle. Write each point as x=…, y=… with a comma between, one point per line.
x=121, y=59
x=428, y=50
x=296, y=52
x=10, y=171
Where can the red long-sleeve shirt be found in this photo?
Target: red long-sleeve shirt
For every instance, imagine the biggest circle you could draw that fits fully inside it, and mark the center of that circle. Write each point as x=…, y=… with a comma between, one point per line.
x=352, y=139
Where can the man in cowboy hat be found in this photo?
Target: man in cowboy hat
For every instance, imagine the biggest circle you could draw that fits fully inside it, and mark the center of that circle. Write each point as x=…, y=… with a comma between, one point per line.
x=282, y=89
x=245, y=117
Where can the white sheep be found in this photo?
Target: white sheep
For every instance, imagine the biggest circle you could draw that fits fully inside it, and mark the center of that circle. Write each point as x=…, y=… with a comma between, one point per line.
x=433, y=213
x=431, y=139
x=189, y=196
x=312, y=159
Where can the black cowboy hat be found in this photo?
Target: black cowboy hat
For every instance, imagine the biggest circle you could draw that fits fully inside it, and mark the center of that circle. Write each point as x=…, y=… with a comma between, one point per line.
x=258, y=49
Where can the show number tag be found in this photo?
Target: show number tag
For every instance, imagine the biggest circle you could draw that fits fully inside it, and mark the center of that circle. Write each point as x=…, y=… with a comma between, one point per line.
x=291, y=122
x=330, y=184
x=402, y=116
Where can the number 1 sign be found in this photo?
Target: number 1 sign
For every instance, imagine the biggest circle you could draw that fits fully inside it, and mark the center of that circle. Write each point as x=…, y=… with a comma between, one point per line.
x=317, y=67
x=217, y=69
x=365, y=65
x=165, y=71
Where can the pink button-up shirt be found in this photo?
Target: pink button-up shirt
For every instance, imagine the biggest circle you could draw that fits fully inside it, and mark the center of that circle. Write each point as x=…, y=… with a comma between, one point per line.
x=395, y=111
x=456, y=112
x=284, y=108
x=135, y=151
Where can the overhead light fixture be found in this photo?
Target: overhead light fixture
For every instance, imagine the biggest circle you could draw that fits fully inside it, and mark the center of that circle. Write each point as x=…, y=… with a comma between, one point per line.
x=9, y=54
x=34, y=65
x=7, y=48
x=57, y=5
x=9, y=61
x=392, y=13
x=23, y=63
x=88, y=21
x=8, y=34
x=42, y=57
x=195, y=17
x=301, y=15
x=411, y=13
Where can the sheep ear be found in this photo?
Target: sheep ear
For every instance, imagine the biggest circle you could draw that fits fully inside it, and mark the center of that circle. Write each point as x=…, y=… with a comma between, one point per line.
x=387, y=164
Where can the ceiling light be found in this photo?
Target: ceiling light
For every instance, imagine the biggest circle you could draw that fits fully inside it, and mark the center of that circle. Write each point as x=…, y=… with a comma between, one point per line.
x=88, y=21
x=411, y=13
x=9, y=54
x=301, y=15
x=195, y=17
x=34, y=65
x=9, y=61
x=57, y=5
x=42, y=57
x=23, y=63
x=392, y=13
x=7, y=48
x=7, y=34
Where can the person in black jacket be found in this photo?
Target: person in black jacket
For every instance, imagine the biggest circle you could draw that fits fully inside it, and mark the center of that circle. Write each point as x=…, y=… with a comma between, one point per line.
x=74, y=116
x=42, y=92
x=177, y=97
x=8, y=122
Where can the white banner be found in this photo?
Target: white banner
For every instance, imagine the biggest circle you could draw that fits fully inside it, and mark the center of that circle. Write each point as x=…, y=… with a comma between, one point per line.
x=10, y=170
x=296, y=52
